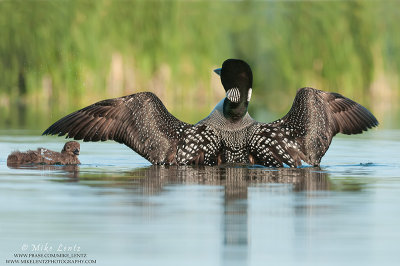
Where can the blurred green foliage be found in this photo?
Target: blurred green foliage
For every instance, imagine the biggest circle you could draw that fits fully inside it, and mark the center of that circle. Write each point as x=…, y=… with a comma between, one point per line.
x=58, y=56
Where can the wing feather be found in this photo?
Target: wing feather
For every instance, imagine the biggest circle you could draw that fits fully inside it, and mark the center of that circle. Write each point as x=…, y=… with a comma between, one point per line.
x=140, y=121
x=314, y=119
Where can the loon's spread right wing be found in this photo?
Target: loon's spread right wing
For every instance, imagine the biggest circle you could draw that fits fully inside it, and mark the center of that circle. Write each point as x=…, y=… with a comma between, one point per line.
x=306, y=131
x=139, y=121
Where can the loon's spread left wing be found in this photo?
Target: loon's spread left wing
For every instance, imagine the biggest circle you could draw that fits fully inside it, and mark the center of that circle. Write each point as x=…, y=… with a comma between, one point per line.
x=139, y=121
x=306, y=131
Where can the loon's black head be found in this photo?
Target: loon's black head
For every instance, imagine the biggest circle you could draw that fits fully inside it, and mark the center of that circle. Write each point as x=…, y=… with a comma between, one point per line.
x=237, y=79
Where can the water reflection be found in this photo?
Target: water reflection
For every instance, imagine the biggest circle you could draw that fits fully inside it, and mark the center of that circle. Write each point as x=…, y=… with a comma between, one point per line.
x=234, y=182
x=152, y=179
x=70, y=171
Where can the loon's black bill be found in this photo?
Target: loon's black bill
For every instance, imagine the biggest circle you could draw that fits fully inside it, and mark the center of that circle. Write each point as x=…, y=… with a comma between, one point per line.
x=218, y=71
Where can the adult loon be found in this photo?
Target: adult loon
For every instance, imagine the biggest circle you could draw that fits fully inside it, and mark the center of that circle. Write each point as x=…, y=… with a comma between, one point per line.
x=228, y=134
x=68, y=155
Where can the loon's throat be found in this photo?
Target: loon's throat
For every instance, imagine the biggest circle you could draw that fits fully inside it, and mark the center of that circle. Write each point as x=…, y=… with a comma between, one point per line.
x=234, y=111
x=217, y=120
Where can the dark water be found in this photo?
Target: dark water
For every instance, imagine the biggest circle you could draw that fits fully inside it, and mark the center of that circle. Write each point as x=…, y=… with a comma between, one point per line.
x=119, y=210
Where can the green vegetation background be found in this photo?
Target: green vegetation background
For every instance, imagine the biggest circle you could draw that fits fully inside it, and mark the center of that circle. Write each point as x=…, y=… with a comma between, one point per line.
x=58, y=56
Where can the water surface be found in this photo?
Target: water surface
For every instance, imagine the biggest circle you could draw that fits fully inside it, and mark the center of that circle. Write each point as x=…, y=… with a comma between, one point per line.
x=120, y=210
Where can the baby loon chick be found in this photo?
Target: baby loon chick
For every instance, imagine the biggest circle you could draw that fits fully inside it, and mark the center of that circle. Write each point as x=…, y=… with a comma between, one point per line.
x=228, y=134
x=68, y=155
